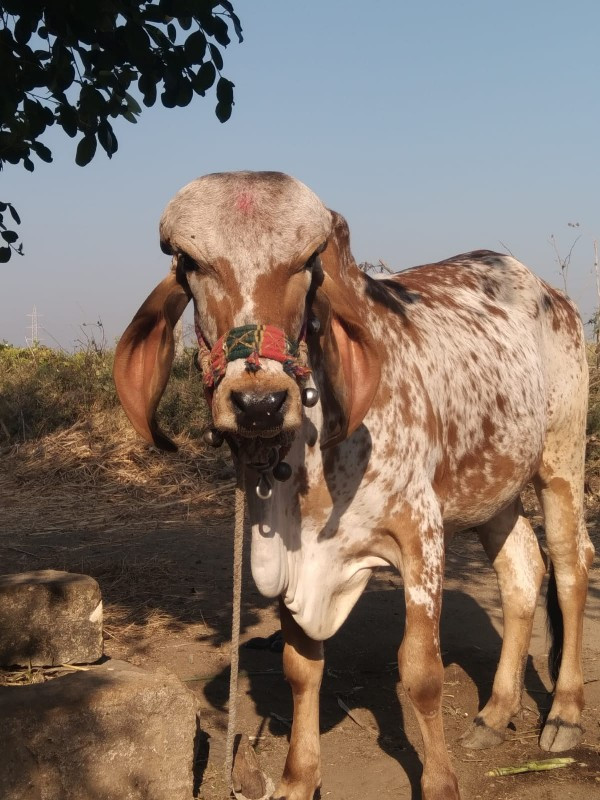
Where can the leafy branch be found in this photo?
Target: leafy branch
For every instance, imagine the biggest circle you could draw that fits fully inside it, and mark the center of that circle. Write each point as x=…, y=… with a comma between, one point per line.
x=76, y=66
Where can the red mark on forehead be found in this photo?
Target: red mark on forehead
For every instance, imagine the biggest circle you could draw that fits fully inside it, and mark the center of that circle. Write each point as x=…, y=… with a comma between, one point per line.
x=244, y=202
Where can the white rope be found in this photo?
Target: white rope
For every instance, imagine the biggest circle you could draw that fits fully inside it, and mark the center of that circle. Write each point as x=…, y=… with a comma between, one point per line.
x=238, y=547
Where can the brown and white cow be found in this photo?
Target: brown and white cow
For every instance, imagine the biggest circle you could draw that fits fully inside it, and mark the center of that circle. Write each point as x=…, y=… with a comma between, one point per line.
x=444, y=390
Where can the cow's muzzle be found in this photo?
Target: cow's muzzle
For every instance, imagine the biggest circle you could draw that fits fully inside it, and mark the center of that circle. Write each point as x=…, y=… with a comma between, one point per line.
x=259, y=414
x=253, y=376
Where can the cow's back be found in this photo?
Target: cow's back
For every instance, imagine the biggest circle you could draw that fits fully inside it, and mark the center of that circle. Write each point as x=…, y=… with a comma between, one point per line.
x=489, y=359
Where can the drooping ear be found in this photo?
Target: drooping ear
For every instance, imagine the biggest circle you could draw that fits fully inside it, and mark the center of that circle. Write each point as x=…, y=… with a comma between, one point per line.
x=344, y=354
x=144, y=356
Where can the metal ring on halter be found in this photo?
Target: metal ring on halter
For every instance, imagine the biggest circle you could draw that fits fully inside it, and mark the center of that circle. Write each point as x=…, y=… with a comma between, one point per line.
x=264, y=490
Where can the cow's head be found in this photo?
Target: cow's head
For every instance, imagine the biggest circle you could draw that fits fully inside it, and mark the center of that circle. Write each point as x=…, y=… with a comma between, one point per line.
x=268, y=268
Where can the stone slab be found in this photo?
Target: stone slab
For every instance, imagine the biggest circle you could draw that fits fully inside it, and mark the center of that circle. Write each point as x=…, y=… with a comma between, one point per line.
x=114, y=732
x=49, y=617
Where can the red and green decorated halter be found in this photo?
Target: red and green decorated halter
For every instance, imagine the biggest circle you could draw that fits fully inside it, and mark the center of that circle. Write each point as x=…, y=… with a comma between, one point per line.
x=251, y=343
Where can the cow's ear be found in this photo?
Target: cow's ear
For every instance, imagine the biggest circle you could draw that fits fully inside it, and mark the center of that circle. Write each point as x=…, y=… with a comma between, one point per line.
x=144, y=356
x=344, y=356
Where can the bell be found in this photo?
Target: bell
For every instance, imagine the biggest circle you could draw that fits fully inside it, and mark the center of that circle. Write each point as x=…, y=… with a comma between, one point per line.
x=314, y=325
x=310, y=397
x=213, y=437
x=282, y=471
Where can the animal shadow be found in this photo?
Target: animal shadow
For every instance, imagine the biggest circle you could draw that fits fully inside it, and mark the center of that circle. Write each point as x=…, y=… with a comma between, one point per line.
x=361, y=671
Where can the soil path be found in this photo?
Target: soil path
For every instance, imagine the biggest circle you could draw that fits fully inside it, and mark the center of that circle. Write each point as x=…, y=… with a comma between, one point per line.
x=167, y=595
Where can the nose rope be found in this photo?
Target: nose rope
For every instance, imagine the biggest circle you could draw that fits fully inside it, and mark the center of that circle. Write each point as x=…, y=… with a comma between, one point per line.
x=251, y=343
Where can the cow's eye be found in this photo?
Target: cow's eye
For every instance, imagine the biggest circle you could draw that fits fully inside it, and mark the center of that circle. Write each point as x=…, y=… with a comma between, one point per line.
x=187, y=264
x=311, y=262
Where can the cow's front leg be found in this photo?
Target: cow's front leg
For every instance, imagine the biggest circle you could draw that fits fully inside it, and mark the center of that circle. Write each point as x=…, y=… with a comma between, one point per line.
x=303, y=667
x=419, y=658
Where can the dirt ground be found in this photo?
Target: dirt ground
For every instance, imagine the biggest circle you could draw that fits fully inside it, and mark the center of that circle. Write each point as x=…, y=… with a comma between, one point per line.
x=167, y=591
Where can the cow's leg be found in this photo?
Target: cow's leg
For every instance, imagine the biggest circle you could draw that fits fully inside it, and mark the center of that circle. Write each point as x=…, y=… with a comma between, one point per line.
x=419, y=658
x=560, y=487
x=513, y=549
x=303, y=666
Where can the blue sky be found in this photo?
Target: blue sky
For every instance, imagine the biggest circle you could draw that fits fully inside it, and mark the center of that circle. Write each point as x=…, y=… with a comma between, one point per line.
x=435, y=127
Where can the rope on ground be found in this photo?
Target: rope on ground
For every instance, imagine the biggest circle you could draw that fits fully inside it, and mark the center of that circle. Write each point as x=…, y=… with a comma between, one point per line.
x=238, y=547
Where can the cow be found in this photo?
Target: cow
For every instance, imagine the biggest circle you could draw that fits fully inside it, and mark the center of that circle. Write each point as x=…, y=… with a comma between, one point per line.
x=394, y=413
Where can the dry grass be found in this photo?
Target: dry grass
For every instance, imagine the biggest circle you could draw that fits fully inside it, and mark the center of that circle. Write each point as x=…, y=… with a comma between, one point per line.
x=99, y=475
x=74, y=465
x=28, y=675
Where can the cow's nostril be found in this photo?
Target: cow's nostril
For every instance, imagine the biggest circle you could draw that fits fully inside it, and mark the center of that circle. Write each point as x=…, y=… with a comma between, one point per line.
x=258, y=404
x=258, y=412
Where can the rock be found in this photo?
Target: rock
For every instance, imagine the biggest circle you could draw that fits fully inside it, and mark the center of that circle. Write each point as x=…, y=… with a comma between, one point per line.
x=49, y=617
x=113, y=732
x=246, y=777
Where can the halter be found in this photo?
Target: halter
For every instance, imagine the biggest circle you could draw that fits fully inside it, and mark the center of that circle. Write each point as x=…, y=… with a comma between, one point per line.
x=252, y=342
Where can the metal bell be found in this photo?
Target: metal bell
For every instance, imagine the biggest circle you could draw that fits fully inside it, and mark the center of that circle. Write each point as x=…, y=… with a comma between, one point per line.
x=282, y=471
x=213, y=437
x=310, y=397
x=314, y=325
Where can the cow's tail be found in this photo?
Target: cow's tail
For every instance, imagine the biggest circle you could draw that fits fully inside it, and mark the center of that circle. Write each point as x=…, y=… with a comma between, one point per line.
x=555, y=627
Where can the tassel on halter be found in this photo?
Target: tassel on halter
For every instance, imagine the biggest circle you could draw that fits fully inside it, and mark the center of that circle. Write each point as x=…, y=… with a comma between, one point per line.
x=252, y=342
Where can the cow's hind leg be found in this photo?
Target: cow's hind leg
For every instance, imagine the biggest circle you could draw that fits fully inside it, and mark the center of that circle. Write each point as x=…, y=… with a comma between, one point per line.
x=559, y=484
x=303, y=667
x=513, y=549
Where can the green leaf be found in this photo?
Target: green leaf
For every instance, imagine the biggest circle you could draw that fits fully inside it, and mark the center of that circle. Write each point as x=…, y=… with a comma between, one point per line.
x=237, y=25
x=132, y=104
x=42, y=151
x=172, y=32
x=225, y=91
x=204, y=78
x=9, y=236
x=216, y=56
x=158, y=36
x=28, y=164
x=5, y=254
x=86, y=150
x=169, y=98
x=223, y=111
x=13, y=213
x=107, y=138
x=185, y=93
x=23, y=30
x=195, y=47
x=67, y=119
x=220, y=31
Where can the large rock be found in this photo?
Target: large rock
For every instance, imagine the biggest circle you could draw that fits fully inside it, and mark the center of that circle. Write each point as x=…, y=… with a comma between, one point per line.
x=114, y=732
x=49, y=617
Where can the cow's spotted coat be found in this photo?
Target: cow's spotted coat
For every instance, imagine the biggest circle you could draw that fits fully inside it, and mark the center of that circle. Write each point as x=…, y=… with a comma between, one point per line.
x=445, y=389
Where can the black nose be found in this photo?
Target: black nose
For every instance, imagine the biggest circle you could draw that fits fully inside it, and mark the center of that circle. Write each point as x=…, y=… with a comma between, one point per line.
x=258, y=412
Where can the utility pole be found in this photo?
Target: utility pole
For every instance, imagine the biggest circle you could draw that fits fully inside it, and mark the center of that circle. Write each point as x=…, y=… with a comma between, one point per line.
x=34, y=337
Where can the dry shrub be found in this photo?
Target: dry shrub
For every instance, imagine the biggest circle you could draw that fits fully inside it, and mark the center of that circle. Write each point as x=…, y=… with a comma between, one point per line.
x=44, y=390
x=593, y=420
x=72, y=459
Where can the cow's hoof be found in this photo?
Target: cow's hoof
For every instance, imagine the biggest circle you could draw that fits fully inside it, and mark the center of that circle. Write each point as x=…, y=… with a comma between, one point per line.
x=480, y=736
x=440, y=787
x=296, y=791
x=559, y=735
